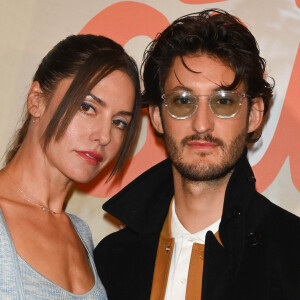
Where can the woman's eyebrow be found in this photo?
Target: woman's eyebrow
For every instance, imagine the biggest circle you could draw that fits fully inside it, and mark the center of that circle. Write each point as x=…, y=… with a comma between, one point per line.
x=102, y=103
x=125, y=113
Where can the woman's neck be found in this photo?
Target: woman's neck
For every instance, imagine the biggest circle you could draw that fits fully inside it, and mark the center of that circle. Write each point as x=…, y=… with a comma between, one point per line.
x=36, y=181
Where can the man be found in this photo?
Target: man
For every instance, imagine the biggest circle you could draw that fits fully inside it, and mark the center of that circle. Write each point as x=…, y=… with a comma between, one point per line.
x=196, y=227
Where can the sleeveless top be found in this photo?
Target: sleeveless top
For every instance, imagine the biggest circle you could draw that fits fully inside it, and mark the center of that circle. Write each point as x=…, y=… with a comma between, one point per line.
x=19, y=281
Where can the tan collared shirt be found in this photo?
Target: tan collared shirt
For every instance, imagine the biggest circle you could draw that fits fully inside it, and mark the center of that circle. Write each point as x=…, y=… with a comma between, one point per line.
x=179, y=261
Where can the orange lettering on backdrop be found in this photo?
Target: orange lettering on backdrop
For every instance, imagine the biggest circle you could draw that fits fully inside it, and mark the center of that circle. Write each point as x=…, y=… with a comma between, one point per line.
x=200, y=1
x=121, y=22
x=124, y=20
x=286, y=140
x=298, y=3
x=140, y=19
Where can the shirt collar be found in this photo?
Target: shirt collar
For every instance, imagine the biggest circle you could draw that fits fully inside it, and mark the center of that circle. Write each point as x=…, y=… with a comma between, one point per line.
x=179, y=231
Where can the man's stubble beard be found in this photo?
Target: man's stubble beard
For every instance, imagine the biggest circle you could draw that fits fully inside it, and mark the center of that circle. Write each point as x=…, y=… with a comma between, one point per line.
x=206, y=171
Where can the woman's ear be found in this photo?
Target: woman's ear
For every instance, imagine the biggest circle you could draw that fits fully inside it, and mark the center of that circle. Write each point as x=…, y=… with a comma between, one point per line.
x=155, y=117
x=35, y=100
x=256, y=114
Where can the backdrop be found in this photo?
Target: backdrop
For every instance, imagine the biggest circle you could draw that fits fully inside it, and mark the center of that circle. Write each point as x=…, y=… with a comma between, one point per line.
x=29, y=29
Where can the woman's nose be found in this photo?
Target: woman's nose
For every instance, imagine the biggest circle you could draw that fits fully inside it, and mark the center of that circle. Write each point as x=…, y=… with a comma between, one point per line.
x=102, y=132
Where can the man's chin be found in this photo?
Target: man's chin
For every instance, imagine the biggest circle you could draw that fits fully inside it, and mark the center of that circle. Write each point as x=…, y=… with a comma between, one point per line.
x=203, y=161
x=203, y=172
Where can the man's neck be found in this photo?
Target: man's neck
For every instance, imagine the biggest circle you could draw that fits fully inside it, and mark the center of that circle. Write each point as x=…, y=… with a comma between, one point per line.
x=199, y=204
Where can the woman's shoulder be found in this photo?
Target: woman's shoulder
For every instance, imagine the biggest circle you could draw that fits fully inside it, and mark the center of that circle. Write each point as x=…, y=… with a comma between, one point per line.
x=83, y=230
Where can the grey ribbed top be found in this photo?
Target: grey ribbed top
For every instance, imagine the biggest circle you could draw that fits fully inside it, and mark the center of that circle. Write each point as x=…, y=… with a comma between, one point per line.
x=18, y=280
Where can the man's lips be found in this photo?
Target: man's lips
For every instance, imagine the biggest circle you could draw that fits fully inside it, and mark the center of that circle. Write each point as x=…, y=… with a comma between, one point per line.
x=201, y=145
x=90, y=157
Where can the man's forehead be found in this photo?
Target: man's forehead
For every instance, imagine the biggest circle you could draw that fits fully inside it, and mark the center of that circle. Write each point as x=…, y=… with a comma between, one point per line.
x=200, y=68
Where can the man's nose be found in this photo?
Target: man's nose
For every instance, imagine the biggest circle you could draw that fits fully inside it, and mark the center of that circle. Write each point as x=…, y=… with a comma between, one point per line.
x=203, y=118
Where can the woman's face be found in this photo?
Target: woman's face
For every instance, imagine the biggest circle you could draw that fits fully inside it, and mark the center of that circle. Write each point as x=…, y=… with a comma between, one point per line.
x=96, y=133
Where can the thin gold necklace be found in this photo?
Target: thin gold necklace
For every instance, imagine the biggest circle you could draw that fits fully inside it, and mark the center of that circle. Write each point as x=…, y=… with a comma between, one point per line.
x=28, y=199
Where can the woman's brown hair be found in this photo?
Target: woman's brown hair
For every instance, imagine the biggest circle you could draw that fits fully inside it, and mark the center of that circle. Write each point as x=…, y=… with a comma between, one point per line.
x=87, y=59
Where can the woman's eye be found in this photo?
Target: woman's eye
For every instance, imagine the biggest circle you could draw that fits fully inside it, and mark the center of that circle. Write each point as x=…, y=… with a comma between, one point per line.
x=121, y=124
x=87, y=108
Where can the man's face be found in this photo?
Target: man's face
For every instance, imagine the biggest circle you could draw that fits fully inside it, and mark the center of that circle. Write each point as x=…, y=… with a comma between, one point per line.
x=203, y=147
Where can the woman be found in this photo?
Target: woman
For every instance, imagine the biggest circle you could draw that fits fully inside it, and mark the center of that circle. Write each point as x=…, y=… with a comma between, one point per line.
x=83, y=107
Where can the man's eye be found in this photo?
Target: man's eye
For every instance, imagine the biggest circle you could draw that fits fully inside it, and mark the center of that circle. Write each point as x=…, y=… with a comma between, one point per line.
x=182, y=100
x=121, y=124
x=224, y=101
x=87, y=108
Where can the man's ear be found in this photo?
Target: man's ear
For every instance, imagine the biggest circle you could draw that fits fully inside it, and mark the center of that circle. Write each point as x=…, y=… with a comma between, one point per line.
x=35, y=100
x=256, y=114
x=155, y=117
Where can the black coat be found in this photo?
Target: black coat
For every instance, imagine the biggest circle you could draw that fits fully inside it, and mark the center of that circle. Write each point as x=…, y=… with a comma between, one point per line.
x=260, y=259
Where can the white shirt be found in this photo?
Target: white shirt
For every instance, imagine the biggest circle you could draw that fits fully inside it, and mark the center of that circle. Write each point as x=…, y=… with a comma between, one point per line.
x=184, y=240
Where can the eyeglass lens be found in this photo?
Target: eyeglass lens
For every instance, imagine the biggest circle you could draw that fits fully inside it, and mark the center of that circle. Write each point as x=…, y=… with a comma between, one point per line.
x=222, y=103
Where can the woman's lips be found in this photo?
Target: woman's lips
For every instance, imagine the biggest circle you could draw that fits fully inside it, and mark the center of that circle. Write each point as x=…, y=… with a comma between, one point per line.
x=93, y=158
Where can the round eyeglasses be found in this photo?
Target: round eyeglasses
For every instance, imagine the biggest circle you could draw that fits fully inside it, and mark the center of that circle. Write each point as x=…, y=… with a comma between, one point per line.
x=183, y=104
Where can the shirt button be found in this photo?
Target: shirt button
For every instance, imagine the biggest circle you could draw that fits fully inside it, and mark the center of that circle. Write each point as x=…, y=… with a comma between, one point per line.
x=183, y=280
x=236, y=213
x=253, y=239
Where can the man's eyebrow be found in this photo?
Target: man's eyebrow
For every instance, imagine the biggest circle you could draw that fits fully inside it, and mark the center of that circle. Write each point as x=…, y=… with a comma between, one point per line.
x=181, y=88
